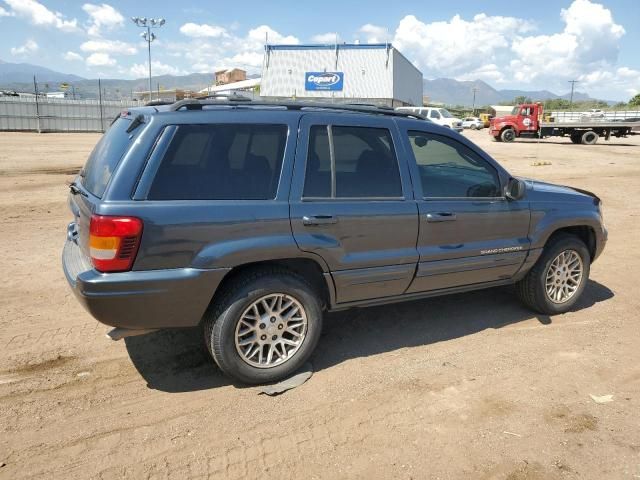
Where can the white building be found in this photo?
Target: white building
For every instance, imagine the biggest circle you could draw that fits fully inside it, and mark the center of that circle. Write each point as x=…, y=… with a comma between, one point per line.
x=371, y=73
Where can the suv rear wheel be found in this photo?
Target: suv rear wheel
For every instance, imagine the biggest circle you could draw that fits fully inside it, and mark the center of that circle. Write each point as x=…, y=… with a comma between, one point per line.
x=559, y=276
x=264, y=326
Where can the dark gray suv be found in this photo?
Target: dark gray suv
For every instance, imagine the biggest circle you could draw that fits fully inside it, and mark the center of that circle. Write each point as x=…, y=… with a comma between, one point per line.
x=252, y=219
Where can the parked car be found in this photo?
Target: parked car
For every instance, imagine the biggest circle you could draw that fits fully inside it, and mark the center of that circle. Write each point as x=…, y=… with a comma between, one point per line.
x=473, y=123
x=592, y=114
x=439, y=116
x=252, y=220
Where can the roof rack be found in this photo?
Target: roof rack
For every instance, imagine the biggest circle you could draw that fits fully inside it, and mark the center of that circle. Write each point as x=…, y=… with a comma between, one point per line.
x=240, y=102
x=155, y=103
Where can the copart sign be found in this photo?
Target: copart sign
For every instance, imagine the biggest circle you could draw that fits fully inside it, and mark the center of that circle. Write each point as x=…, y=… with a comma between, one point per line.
x=332, y=81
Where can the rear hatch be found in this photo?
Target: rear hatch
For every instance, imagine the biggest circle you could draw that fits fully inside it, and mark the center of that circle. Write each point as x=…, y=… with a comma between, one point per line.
x=89, y=187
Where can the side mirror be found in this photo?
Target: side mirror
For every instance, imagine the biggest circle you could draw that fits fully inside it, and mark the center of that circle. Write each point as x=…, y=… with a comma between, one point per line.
x=515, y=189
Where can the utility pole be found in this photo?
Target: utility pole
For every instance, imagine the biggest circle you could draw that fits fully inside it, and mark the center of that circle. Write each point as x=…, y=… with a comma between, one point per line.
x=35, y=90
x=148, y=24
x=475, y=89
x=573, y=83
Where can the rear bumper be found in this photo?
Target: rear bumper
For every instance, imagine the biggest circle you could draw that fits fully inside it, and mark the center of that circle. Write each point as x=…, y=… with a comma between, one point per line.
x=141, y=299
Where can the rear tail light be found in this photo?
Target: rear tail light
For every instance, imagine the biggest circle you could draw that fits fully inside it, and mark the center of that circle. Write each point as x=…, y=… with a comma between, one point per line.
x=114, y=242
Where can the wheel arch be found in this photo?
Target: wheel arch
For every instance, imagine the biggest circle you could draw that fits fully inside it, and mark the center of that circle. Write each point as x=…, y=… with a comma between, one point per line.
x=308, y=268
x=585, y=233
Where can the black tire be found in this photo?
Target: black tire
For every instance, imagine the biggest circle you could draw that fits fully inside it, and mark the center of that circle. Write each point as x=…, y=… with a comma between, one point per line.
x=224, y=314
x=589, y=138
x=576, y=137
x=508, y=135
x=531, y=289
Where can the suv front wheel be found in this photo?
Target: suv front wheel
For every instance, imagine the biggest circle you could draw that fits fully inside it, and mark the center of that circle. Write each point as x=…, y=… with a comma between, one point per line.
x=264, y=325
x=558, y=278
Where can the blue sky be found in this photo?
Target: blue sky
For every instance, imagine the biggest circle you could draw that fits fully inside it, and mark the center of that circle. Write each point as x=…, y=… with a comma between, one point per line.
x=527, y=45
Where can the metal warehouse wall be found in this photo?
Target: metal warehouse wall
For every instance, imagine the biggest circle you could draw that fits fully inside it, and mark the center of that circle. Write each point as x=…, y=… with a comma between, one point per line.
x=407, y=80
x=58, y=115
x=370, y=72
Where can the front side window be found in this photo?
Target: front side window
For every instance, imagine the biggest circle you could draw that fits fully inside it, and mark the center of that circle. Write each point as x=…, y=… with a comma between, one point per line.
x=221, y=162
x=361, y=164
x=449, y=169
x=445, y=113
x=434, y=114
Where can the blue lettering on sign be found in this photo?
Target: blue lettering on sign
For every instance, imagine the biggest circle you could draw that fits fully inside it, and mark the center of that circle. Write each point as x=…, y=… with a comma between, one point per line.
x=332, y=81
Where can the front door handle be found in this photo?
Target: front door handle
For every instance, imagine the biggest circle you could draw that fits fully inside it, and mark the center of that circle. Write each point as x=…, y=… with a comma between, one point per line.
x=441, y=217
x=319, y=220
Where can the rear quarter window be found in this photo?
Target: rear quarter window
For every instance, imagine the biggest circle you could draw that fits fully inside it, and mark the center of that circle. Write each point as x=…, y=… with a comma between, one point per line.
x=221, y=162
x=105, y=157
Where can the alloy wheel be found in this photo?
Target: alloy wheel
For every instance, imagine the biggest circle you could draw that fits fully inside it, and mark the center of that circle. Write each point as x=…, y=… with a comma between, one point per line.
x=564, y=276
x=271, y=330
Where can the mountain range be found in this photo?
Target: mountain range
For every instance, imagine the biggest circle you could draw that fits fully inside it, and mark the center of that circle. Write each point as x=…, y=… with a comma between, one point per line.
x=456, y=92
x=19, y=77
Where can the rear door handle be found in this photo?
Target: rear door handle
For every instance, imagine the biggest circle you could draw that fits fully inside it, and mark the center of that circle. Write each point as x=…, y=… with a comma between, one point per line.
x=319, y=220
x=441, y=217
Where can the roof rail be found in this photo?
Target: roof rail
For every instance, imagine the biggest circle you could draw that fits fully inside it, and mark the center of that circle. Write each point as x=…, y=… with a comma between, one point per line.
x=196, y=104
x=155, y=103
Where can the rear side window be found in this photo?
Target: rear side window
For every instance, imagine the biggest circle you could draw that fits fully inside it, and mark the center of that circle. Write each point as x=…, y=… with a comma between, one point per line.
x=105, y=157
x=364, y=163
x=221, y=162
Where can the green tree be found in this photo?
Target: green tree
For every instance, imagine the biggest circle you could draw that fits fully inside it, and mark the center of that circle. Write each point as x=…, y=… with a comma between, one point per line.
x=635, y=101
x=520, y=99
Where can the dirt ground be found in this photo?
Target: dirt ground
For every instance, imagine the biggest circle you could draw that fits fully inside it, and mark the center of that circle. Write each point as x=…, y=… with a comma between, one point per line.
x=466, y=386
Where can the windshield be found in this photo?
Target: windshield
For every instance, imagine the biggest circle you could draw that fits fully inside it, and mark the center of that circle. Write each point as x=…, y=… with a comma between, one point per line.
x=445, y=113
x=105, y=157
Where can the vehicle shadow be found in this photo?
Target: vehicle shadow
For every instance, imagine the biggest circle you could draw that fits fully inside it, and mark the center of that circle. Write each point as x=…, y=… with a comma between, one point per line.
x=602, y=143
x=176, y=360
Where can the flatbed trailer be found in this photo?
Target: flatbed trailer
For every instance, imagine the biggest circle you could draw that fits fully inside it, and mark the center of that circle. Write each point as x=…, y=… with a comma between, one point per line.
x=525, y=121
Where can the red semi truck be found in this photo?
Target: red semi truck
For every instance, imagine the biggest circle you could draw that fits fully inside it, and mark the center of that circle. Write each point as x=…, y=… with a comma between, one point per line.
x=526, y=120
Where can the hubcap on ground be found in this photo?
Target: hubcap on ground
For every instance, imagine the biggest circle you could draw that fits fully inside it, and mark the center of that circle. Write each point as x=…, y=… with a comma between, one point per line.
x=564, y=276
x=271, y=330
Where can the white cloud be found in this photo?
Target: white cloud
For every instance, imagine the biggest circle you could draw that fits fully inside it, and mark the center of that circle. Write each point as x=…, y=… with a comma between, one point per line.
x=195, y=30
x=622, y=79
x=72, y=56
x=4, y=13
x=457, y=46
x=109, y=46
x=141, y=70
x=100, y=60
x=102, y=17
x=230, y=49
x=30, y=46
x=374, y=33
x=328, y=37
x=490, y=73
x=39, y=15
x=259, y=34
x=588, y=42
x=507, y=50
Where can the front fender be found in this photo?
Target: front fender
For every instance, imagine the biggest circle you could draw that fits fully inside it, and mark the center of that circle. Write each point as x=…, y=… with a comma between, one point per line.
x=548, y=218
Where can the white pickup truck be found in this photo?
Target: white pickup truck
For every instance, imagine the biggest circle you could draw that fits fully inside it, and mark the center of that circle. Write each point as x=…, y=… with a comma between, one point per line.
x=438, y=115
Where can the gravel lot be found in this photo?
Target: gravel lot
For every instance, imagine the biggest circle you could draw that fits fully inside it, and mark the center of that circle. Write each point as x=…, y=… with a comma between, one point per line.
x=466, y=386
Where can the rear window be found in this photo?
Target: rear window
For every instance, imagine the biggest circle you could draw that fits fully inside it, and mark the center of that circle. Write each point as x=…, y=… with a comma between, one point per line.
x=221, y=162
x=105, y=157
